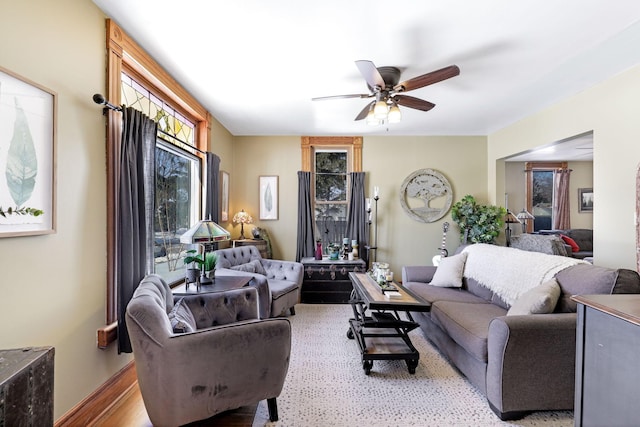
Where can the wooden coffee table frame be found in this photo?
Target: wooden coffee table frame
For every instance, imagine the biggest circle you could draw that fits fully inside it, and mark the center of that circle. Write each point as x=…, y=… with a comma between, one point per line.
x=382, y=334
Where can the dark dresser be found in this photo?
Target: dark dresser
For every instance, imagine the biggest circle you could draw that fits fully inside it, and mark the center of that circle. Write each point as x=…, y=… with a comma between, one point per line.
x=327, y=281
x=26, y=387
x=607, y=362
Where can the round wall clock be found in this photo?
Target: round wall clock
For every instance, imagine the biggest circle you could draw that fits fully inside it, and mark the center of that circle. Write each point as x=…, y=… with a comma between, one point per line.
x=426, y=195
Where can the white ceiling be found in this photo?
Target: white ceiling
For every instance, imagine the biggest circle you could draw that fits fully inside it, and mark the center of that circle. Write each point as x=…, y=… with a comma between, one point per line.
x=255, y=64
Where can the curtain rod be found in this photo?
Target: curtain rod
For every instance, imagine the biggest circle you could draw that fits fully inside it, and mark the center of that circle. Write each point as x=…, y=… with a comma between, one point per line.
x=100, y=99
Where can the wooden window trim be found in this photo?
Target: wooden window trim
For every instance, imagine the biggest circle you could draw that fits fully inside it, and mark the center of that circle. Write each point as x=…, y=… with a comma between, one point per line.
x=352, y=143
x=124, y=54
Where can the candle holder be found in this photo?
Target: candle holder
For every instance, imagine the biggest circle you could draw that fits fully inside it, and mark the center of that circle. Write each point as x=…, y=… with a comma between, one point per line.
x=373, y=248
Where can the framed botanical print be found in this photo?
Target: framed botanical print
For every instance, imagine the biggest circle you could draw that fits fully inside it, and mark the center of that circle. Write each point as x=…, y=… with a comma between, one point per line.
x=269, y=197
x=27, y=157
x=224, y=196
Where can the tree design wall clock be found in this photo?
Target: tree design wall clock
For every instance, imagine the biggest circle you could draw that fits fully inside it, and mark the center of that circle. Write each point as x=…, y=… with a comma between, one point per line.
x=426, y=195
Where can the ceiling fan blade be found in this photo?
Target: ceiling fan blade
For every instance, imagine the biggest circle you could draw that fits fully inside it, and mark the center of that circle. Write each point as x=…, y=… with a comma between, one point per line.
x=428, y=79
x=413, y=102
x=365, y=111
x=370, y=74
x=361, y=95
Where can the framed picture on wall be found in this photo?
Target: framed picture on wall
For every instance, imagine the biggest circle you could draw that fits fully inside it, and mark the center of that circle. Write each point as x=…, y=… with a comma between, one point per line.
x=27, y=157
x=269, y=197
x=224, y=196
x=585, y=199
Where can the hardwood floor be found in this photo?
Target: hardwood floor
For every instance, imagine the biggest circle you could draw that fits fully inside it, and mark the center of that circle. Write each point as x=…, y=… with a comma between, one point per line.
x=130, y=412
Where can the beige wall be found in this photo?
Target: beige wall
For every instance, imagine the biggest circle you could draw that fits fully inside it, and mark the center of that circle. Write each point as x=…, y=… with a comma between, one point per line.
x=610, y=110
x=515, y=183
x=387, y=161
x=53, y=287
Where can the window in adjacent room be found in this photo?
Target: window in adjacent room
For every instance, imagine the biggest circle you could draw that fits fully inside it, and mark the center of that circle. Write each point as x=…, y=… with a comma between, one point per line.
x=540, y=193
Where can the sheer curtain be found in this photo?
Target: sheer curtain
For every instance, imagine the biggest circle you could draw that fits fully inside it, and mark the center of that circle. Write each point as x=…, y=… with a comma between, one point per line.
x=304, y=247
x=357, y=214
x=212, y=204
x=561, y=208
x=134, y=211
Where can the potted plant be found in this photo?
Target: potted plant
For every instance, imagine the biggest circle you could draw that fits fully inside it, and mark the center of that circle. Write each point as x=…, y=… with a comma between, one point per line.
x=334, y=250
x=192, y=260
x=210, y=261
x=477, y=223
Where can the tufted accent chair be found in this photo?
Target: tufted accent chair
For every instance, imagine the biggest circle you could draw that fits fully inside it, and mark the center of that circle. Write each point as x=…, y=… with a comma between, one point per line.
x=231, y=359
x=283, y=279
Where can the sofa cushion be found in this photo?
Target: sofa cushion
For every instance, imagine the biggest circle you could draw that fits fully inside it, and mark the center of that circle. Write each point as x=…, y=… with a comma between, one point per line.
x=449, y=271
x=181, y=318
x=584, y=279
x=467, y=324
x=569, y=241
x=258, y=268
x=279, y=288
x=432, y=294
x=247, y=268
x=539, y=300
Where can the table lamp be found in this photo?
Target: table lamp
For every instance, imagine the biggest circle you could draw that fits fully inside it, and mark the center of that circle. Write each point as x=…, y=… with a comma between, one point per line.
x=243, y=218
x=205, y=233
x=509, y=219
x=524, y=216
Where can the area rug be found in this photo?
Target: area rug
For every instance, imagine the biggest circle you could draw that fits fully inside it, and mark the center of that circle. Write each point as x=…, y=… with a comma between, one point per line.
x=326, y=385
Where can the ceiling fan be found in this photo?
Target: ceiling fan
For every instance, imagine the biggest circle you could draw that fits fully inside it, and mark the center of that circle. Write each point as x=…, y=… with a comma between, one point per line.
x=384, y=84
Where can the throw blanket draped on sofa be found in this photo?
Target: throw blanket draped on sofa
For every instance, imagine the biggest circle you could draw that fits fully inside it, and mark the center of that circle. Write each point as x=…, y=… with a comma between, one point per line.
x=511, y=280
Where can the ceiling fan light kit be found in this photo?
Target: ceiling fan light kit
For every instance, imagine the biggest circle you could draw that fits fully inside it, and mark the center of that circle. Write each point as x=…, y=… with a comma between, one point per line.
x=383, y=84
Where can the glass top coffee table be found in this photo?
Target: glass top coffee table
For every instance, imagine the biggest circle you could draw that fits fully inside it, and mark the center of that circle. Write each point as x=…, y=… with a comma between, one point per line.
x=381, y=333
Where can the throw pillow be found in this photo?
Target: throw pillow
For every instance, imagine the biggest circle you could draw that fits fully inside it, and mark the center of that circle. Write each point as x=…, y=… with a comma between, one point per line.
x=539, y=300
x=449, y=271
x=258, y=268
x=181, y=318
x=248, y=267
x=569, y=241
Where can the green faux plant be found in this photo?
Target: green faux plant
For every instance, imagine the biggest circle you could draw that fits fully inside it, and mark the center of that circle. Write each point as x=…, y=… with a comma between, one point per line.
x=192, y=257
x=477, y=223
x=211, y=259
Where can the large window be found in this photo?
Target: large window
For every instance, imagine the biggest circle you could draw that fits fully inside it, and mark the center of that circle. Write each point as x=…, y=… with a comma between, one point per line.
x=135, y=79
x=331, y=194
x=330, y=159
x=177, y=200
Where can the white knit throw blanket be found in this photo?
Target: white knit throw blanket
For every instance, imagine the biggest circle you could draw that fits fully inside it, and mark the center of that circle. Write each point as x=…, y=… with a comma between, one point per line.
x=510, y=272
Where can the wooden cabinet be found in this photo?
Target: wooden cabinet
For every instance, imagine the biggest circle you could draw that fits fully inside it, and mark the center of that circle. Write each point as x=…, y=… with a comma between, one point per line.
x=258, y=243
x=607, y=364
x=327, y=281
x=26, y=387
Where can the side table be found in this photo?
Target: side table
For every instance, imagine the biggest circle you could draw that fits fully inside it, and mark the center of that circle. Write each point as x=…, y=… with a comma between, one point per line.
x=222, y=283
x=261, y=244
x=327, y=281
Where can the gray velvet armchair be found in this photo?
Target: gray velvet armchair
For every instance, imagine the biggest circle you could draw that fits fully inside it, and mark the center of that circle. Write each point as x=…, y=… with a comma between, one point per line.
x=278, y=282
x=225, y=358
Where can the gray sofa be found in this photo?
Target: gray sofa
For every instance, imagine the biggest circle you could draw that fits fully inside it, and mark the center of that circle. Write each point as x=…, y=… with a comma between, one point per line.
x=522, y=362
x=278, y=282
x=583, y=238
x=203, y=354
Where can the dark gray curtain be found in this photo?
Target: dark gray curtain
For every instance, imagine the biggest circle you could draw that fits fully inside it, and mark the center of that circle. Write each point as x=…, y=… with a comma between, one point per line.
x=305, y=242
x=357, y=214
x=212, y=199
x=134, y=211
